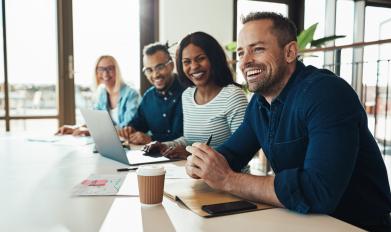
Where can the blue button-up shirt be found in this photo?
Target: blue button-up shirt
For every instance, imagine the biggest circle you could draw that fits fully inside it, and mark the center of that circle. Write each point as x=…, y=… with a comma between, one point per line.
x=161, y=115
x=316, y=138
x=127, y=104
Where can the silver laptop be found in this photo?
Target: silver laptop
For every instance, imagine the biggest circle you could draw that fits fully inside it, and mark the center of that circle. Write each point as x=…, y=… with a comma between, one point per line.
x=108, y=144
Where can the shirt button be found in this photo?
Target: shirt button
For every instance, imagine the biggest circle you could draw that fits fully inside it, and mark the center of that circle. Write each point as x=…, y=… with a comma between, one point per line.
x=174, y=100
x=164, y=115
x=165, y=98
x=168, y=131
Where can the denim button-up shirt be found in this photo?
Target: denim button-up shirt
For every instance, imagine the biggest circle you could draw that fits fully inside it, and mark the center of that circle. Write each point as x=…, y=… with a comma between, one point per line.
x=161, y=115
x=316, y=137
x=127, y=104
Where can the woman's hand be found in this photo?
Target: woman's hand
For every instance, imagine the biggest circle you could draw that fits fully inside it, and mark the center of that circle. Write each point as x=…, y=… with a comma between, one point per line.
x=66, y=130
x=155, y=147
x=73, y=130
x=81, y=131
x=176, y=152
x=171, y=152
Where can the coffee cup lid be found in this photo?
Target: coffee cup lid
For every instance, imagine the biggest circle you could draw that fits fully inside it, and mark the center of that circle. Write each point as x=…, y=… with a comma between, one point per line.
x=150, y=170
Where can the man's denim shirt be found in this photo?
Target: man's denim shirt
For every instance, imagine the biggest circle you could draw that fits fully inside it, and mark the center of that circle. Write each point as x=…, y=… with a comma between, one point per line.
x=161, y=115
x=316, y=138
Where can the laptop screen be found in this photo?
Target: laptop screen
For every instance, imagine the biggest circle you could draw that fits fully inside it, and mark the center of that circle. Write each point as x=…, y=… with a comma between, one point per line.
x=108, y=143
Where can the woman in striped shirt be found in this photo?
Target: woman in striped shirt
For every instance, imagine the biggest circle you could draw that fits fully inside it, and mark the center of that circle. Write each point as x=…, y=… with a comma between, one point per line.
x=213, y=104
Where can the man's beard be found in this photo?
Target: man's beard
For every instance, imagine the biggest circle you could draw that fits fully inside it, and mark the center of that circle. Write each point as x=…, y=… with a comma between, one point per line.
x=269, y=83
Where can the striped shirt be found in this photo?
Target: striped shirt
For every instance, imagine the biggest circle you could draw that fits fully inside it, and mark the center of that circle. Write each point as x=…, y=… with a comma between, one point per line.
x=220, y=117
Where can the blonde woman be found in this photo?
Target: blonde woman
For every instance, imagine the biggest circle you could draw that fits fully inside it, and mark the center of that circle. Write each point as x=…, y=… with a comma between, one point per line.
x=114, y=96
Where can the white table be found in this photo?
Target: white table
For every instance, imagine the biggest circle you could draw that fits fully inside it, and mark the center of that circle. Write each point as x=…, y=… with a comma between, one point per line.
x=37, y=179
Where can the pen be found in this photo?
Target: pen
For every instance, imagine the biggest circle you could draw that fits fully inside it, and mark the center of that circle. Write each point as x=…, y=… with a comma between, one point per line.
x=125, y=169
x=168, y=150
x=209, y=139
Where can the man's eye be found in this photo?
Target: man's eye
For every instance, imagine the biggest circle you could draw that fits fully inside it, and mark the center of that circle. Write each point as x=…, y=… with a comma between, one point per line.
x=159, y=67
x=148, y=70
x=258, y=49
x=240, y=54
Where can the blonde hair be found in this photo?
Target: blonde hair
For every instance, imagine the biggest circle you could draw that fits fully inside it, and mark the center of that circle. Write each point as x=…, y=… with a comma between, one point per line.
x=118, y=77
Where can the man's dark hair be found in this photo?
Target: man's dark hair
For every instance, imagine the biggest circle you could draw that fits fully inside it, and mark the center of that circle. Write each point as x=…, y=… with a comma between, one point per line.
x=151, y=49
x=220, y=72
x=283, y=28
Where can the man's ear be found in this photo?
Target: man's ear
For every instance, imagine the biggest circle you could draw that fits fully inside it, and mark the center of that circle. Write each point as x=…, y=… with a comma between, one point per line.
x=171, y=66
x=290, y=52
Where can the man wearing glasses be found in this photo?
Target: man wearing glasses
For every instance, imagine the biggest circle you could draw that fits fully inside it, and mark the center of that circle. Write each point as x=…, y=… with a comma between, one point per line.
x=159, y=116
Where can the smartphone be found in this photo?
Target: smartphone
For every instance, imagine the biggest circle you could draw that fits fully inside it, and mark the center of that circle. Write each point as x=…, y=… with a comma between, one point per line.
x=228, y=207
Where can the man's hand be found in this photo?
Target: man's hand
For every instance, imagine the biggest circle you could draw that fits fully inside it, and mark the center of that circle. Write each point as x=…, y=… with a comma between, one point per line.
x=209, y=165
x=125, y=132
x=139, y=138
x=213, y=168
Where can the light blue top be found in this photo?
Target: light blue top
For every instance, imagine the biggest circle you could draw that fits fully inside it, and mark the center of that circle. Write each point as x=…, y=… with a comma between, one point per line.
x=127, y=104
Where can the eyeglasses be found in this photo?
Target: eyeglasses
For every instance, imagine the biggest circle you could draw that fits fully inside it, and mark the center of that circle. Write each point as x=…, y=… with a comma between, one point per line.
x=158, y=68
x=109, y=69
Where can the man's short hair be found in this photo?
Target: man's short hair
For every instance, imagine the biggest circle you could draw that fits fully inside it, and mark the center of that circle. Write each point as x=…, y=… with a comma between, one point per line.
x=283, y=28
x=151, y=49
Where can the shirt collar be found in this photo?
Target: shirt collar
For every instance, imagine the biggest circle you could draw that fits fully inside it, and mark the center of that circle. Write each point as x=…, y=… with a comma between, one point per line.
x=172, y=90
x=261, y=101
x=122, y=89
x=285, y=91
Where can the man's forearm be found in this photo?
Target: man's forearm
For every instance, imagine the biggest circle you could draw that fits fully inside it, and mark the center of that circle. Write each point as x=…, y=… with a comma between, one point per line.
x=253, y=188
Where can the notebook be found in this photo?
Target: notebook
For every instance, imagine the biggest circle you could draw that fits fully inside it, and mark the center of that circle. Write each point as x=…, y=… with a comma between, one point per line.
x=195, y=193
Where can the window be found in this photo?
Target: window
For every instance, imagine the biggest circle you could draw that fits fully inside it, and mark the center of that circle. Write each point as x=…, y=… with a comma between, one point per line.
x=315, y=13
x=32, y=61
x=377, y=73
x=244, y=7
x=111, y=28
x=345, y=19
x=2, y=80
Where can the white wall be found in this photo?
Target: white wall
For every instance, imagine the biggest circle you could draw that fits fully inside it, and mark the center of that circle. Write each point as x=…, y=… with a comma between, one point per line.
x=180, y=17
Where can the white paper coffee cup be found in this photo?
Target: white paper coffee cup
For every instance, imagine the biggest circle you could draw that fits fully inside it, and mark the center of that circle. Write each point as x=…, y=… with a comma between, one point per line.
x=151, y=184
